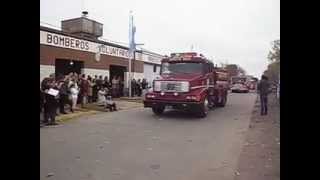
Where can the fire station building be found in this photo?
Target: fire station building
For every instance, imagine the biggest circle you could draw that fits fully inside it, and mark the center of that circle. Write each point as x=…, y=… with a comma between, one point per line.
x=76, y=48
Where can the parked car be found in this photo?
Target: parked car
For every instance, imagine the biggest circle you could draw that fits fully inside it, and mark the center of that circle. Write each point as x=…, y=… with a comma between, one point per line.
x=239, y=88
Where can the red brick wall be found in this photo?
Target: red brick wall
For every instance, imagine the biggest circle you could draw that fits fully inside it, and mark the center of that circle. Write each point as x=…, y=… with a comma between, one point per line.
x=48, y=55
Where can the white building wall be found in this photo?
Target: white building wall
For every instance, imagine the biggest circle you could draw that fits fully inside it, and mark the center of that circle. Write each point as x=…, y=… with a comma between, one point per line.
x=134, y=75
x=45, y=71
x=98, y=72
x=149, y=74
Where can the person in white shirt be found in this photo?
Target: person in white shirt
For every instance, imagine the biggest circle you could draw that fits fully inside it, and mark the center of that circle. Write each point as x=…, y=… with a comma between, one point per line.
x=110, y=104
x=102, y=96
x=74, y=91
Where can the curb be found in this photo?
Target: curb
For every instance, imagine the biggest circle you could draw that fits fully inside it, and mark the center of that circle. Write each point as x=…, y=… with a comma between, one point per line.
x=136, y=100
x=81, y=113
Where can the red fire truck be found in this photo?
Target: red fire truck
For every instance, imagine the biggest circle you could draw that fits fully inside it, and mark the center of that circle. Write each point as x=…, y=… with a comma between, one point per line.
x=190, y=82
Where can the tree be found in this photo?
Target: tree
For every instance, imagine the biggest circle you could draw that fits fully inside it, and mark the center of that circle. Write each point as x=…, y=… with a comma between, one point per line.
x=273, y=70
x=241, y=71
x=235, y=70
x=274, y=53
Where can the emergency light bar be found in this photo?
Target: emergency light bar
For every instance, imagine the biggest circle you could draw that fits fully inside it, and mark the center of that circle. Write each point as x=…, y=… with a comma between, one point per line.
x=183, y=56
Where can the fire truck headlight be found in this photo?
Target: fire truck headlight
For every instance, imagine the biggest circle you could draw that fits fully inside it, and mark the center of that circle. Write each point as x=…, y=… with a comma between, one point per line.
x=156, y=86
x=150, y=96
x=191, y=97
x=185, y=86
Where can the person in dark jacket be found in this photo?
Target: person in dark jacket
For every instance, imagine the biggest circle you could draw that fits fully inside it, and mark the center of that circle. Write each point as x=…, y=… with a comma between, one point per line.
x=51, y=103
x=264, y=90
x=64, y=95
x=84, y=89
x=106, y=83
x=139, y=87
x=95, y=89
x=144, y=84
x=133, y=87
x=99, y=81
x=41, y=100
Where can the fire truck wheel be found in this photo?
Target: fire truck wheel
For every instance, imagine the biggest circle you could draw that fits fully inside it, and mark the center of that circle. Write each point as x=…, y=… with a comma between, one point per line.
x=158, y=110
x=203, y=109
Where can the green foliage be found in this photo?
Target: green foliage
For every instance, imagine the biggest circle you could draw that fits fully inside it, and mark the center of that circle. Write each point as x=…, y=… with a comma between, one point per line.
x=274, y=54
x=273, y=71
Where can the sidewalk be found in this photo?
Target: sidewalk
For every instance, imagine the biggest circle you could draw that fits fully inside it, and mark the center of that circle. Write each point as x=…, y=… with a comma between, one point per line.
x=260, y=157
x=65, y=117
x=132, y=99
x=94, y=109
x=121, y=105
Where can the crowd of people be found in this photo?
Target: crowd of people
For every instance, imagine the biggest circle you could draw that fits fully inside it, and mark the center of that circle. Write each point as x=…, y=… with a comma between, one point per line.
x=74, y=89
x=138, y=86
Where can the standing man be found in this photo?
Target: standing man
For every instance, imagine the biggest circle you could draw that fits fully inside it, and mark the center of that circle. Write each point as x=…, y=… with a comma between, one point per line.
x=51, y=102
x=99, y=82
x=133, y=87
x=139, y=87
x=63, y=92
x=264, y=90
x=84, y=90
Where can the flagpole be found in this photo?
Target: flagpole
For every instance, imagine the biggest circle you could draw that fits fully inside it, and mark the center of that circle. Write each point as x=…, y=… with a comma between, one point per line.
x=129, y=85
x=130, y=51
x=132, y=48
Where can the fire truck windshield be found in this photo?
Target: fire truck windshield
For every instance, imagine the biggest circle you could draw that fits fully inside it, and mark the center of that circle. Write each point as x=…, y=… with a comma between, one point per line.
x=181, y=68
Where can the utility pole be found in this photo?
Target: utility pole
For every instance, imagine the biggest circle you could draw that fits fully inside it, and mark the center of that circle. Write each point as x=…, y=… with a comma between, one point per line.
x=132, y=49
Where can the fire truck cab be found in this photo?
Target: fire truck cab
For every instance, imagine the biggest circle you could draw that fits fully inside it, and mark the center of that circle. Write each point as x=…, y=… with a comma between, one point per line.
x=190, y=82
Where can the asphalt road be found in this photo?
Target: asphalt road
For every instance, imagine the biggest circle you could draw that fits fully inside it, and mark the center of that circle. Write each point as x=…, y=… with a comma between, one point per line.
x=137, y=145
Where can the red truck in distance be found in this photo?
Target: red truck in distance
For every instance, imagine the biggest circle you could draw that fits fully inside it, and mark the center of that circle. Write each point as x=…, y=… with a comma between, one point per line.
x=189, y=82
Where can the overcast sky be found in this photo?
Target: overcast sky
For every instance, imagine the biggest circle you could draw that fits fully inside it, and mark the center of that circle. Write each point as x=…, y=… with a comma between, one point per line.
x=236, y=31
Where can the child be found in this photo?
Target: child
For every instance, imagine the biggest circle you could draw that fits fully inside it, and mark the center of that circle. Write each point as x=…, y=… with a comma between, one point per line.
x=110, y=104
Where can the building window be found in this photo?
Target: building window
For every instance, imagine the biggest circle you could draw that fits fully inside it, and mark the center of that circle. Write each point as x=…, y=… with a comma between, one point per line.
x=154, y=68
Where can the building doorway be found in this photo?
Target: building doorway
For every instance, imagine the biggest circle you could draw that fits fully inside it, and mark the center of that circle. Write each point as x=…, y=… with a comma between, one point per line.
x=66, y=66
x=118, y=71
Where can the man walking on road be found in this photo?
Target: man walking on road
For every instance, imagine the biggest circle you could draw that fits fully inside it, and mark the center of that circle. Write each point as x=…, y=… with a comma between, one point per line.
x=263, y=90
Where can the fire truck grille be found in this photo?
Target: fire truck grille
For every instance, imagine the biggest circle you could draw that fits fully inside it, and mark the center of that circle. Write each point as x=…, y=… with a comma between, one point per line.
x=170, y=86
